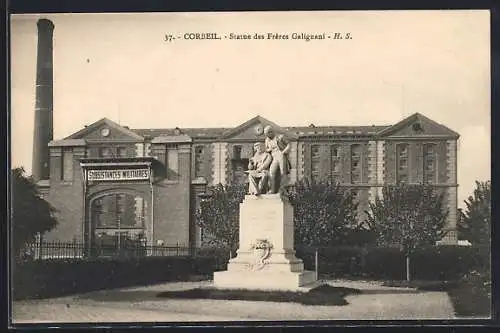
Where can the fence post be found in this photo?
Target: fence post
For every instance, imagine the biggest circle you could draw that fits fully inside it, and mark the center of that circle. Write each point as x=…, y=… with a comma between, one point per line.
x=316, y=263
x=177, y=248
x=40, y=251
x=75, y=253
x=38, y=245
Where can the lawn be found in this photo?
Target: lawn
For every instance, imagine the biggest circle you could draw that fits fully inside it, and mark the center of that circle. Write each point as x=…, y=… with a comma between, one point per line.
x=470, y=296
x=321, y=295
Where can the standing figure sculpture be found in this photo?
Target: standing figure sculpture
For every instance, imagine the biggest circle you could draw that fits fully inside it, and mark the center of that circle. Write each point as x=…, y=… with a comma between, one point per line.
x=258, y=170
x=280, y=167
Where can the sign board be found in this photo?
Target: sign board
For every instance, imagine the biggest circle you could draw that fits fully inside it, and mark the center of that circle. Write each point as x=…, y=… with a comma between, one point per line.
x=118, y=175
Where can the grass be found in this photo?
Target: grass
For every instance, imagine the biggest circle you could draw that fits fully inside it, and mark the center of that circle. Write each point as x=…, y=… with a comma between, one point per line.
x=321, y=295
x=470, y=296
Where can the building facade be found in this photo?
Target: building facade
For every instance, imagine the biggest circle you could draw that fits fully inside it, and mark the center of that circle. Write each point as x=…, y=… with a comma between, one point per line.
x=109, y=181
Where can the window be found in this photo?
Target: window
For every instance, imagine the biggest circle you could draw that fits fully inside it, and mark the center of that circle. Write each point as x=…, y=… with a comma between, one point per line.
x=97, y=212
x=172, y=163
x=120, y=209
x=356, y=164
x=402, y=152
x=429, y=163
x=139, y=210
x=105, y=152
x=315, y=160
x=121, y=151
x=335, y=164
x=237, y=152
x=198, y=161
x=67, y=164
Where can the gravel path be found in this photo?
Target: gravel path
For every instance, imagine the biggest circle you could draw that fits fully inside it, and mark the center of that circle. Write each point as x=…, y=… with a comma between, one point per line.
x=140, y=304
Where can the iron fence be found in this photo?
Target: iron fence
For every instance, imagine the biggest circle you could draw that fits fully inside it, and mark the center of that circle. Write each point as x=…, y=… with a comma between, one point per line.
x=78, y=250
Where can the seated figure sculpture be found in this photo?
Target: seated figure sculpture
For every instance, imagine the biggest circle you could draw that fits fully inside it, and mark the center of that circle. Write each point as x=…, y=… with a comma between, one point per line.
x=258, y=170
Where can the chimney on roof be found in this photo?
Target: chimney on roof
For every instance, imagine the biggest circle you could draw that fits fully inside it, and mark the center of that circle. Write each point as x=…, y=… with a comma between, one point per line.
x=43, y=131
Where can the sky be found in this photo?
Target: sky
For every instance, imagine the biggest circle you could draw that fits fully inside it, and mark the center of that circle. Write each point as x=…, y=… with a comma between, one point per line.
x=395, y=63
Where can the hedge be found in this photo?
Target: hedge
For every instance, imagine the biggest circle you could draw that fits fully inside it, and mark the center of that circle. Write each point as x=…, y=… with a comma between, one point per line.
x=444, y=262
x=52, y=278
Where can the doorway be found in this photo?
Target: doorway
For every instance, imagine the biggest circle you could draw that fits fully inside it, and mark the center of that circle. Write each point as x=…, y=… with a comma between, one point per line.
x=119, y=225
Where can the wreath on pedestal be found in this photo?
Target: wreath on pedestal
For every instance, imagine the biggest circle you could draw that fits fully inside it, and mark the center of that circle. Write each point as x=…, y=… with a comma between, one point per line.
x=262, y=250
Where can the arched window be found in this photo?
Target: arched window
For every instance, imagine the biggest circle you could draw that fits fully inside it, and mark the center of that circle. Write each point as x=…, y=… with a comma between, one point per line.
x=315, y=160
x=402, y=153
x=335, y=164
x=118, y=211
x=237, y=152
x=356, y=164
x=430, y=163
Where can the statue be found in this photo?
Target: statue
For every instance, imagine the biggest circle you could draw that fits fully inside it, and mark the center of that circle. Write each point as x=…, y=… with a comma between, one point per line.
x=280, y=166
x=258, y=170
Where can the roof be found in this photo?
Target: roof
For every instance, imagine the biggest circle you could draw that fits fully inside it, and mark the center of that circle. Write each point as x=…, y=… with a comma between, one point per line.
x=295, y=131
x=192, y=132
x=305, y=130
x=300, y=130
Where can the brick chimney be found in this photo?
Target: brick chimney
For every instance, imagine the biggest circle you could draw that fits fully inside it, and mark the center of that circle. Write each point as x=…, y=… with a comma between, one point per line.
x=43, y=130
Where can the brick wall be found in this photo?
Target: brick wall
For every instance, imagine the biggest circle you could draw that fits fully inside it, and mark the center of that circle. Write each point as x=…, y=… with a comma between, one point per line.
x=67, y=197
x=172, y=201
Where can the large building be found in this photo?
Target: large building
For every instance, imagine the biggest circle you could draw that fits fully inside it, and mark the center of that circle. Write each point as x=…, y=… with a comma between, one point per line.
x=110, y=179
x=112, y=182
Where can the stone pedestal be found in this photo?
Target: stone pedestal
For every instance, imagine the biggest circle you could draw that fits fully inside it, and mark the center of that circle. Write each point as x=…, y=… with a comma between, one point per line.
x=266, y=258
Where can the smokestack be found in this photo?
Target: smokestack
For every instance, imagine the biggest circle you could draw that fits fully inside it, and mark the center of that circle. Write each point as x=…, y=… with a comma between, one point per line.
x=43, y=131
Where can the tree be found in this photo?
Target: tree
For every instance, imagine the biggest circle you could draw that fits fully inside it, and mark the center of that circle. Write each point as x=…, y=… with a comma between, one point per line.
x=409, y=216
x=475, y=222
x=31, y=214
x=324, y=212
x=218, y=215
